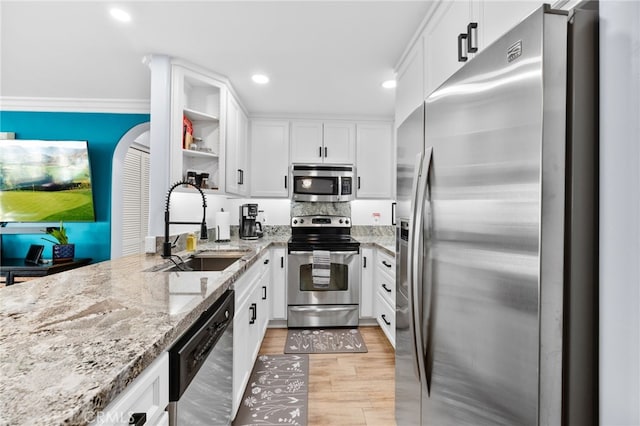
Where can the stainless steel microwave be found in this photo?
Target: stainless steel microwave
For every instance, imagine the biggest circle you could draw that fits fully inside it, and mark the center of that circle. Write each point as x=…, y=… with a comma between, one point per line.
x=322, y=182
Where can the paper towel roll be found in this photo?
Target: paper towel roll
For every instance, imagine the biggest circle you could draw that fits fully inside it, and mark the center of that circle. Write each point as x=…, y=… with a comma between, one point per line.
x=222, y=226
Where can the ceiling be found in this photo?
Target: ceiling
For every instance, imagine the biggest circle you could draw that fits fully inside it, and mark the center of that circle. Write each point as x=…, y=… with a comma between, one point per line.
x=323, y=57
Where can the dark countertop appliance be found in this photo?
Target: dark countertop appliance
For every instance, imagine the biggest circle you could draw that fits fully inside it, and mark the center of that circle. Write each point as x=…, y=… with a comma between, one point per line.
x=250, y=228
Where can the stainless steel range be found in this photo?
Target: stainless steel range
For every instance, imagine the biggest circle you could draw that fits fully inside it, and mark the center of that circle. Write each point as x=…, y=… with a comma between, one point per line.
x=323, y=273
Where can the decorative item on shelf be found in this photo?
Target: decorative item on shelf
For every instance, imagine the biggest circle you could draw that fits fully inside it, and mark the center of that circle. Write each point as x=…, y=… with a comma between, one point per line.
x=63, y=251
x=196, y=144
x=187, y=132
x=191, y=178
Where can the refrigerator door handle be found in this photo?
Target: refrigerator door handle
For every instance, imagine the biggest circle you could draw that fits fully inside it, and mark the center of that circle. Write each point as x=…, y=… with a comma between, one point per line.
x=410, y=263
x=416, y=254
x=419, y=313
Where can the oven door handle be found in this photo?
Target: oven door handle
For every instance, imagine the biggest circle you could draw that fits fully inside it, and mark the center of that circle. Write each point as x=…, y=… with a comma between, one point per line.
x=310, y=253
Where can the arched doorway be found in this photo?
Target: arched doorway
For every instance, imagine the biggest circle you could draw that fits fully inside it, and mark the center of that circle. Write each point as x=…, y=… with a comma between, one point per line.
x=130, y=192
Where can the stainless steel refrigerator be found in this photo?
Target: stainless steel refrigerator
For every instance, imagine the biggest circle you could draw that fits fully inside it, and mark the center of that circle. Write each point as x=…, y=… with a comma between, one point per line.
x=497, y=251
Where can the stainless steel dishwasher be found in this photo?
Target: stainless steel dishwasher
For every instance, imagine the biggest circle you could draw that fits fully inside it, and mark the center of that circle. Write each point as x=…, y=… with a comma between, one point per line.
x=200, y=369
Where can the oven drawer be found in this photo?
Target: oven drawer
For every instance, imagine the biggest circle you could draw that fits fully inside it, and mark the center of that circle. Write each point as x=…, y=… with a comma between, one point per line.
x=323, y=316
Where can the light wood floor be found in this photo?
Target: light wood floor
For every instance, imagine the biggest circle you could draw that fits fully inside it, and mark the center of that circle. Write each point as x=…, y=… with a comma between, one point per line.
x=348, y=389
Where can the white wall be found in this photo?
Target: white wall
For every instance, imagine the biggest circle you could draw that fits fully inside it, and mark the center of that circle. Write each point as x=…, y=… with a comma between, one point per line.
x=619, y=213
x=362, y=212
x=187, y=207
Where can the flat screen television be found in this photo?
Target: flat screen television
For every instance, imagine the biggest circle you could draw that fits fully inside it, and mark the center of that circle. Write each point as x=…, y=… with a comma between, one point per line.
x=45, y=181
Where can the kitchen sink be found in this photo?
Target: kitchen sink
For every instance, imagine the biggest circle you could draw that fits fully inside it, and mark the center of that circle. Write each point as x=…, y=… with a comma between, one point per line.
x=209, y=261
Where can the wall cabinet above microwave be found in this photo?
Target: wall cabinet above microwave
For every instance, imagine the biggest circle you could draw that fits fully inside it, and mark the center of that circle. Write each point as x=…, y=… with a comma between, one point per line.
x=323, y=142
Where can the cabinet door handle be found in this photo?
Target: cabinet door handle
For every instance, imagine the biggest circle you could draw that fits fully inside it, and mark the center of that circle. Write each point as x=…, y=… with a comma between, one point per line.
x=266, y=261
x=325, y=152
x=472, y=40
x=385, y=263
x=138, y=419
x=384, y=318
x=282, y=261
x=253, y=309
x=264, y=292
x=364, y=261
x=241, y=177
x=239, y=180
x=386, y=288
x=358, y=182
x=393, y=213
x=462, y=42
x=320, y=151
x=285, y=182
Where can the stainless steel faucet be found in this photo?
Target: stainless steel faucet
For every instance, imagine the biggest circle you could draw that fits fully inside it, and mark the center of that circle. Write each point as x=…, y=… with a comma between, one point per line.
x=167, y=246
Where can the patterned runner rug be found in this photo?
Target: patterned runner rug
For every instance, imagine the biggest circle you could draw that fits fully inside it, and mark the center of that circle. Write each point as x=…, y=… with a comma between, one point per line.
x=277, y=392
x=317, y=341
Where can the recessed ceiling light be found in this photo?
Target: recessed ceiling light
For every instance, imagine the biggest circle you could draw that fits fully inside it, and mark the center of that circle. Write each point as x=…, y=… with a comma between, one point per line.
x=120, y=15
x=389, y=84
x=260, y=78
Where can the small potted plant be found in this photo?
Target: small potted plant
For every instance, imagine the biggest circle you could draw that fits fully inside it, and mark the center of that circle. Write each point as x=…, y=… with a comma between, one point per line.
x=63, y=251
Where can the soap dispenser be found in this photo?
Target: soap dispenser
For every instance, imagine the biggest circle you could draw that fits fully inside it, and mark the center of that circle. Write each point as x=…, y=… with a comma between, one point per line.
x=192, y=242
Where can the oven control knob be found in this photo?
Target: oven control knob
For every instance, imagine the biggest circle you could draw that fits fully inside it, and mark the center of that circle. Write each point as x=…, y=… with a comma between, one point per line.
x=340, y=221
x=301, y=220
x=346, y=221
x=295, y=221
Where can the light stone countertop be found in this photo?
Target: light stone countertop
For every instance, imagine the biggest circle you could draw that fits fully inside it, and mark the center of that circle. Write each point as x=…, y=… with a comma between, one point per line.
x=387, y=243
x=71, y=342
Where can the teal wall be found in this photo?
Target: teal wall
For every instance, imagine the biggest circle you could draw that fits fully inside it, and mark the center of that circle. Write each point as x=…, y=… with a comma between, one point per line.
x=103, y=132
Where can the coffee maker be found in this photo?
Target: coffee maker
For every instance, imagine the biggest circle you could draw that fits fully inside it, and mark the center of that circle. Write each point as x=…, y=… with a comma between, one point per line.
x=250, y=228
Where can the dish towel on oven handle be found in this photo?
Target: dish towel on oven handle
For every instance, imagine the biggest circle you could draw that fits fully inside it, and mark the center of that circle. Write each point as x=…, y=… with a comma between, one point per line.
x=321, y=269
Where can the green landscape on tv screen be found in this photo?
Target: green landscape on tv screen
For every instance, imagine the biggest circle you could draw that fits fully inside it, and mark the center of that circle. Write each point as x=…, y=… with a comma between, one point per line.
x=45, y=181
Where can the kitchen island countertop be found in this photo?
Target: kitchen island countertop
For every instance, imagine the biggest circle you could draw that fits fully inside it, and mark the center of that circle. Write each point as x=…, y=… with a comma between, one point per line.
x=71, y=342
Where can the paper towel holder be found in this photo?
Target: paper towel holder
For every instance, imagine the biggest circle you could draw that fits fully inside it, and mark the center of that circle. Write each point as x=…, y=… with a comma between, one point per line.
x=218, y=233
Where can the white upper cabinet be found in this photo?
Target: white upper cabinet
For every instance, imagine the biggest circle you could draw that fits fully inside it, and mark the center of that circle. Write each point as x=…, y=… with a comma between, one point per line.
x=440, y=42
x=410, y=83
x=375, y=154
x=339, y=142
x=454, y=32
x=322, y=142
x=306, y=142
x=269, y=158
x=237, y=179
x=498, y=17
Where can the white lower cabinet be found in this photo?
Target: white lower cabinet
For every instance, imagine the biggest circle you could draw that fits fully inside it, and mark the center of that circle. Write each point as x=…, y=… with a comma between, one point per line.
x=367, y=284
x=249, y=323
x=385, y=294
x=278, y=283
x=148, y=394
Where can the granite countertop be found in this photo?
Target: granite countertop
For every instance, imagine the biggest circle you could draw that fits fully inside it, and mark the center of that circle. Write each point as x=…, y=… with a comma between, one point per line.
x=71, y=342
x=387, y=243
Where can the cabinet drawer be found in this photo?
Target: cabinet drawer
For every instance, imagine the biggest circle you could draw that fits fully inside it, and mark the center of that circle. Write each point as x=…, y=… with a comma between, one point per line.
x=386, y=263
x=386, y=286
x=386, y=317
x=148, y=393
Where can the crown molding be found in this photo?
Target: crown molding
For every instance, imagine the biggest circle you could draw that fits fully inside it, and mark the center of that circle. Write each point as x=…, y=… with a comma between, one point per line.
x=119, y=106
